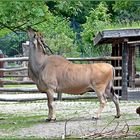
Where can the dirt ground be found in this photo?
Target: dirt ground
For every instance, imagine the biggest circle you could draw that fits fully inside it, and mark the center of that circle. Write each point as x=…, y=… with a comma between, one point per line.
x=73, y=118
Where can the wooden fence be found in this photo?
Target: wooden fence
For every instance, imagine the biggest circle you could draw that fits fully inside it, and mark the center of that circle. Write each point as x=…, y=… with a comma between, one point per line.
x=10, y=78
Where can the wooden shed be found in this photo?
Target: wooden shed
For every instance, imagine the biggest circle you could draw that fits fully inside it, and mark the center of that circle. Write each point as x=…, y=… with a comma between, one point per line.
x=124, y=42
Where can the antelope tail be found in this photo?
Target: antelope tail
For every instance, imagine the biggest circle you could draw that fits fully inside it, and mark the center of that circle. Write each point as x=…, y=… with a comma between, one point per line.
x=112, y=87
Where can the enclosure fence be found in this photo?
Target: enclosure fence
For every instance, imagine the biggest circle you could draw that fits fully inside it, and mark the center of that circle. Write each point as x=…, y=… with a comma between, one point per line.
x=14, y=79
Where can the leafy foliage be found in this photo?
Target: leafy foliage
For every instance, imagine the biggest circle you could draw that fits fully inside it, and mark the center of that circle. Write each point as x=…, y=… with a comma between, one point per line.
x=72, y=9
x=127, y=11
x=17, y=14
x=59, y=36
x=96, y=21
x=68, y=25
x=35, y=12
x=14, y=40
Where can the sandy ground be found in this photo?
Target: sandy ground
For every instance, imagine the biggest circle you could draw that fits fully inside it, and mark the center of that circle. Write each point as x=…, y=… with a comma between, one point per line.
x=73, y=118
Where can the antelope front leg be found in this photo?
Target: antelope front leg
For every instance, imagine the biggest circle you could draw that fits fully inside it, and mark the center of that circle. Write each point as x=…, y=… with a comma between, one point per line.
x=115, y=99
x=51, y=114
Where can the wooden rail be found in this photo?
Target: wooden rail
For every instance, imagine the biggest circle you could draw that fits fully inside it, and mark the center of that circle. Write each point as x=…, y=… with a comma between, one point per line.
x=15, y=82
x=13, y=69
x=107, y=58
x=14, y=59
x=15, y=76
x=35, y=97
x=26, y=82
x=33, y=90
x=25, y=68
x=22, y=90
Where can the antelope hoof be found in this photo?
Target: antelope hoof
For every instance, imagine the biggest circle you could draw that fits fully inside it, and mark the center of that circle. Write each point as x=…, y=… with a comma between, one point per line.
x=95, y=118
x=117, y=116
x=50, y=120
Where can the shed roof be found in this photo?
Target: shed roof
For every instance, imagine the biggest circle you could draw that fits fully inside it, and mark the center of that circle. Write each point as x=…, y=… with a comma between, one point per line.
x=112, y=36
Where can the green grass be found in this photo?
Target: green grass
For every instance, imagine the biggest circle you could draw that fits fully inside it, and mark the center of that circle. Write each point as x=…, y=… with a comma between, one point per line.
x=83, y=100
x=135, y=128
x=19, y=85
x=118, y=26
x=16, y=121
x=123, y=26
x=13, y=121
x=28, y=138
x=32, y=138
x=121, y=139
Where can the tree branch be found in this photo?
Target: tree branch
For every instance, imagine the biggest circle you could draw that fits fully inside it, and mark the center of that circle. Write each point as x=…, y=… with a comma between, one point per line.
x=13, y=29
x=5, y=26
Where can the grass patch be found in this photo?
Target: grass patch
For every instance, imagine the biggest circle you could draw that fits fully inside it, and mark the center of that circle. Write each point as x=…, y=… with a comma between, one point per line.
x=114, y=26
x=20, y=85
x=33, y=138
x=12, y=122
x=101, y=139
x=82, y=100
x=135, y=128
x=28, y=138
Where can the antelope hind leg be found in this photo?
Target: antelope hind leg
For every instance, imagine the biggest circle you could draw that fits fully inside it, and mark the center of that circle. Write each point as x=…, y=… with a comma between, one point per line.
x=116, y=102
x=111, y=94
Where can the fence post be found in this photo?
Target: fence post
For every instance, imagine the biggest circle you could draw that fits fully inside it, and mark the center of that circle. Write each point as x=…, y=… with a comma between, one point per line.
x=124, y=70
x=1, y=66
x=59, y=96
x=25, y=50
x=131, y=66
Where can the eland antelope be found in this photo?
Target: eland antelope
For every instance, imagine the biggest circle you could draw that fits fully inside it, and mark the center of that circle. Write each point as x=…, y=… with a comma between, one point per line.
x=55, y=74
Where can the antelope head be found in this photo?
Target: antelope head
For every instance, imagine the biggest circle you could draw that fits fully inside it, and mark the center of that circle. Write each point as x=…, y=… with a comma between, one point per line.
x=36, y=40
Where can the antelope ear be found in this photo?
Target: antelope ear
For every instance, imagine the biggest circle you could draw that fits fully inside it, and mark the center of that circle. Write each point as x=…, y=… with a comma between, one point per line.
x=31, y=33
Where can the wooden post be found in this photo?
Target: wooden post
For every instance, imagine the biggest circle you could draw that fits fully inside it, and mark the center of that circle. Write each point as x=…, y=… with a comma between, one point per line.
x=114, y=53
x=124, y=70
x=1, y=66
x=59, y=96
x=25, y=50
x=120, y=65
x=131, y=66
